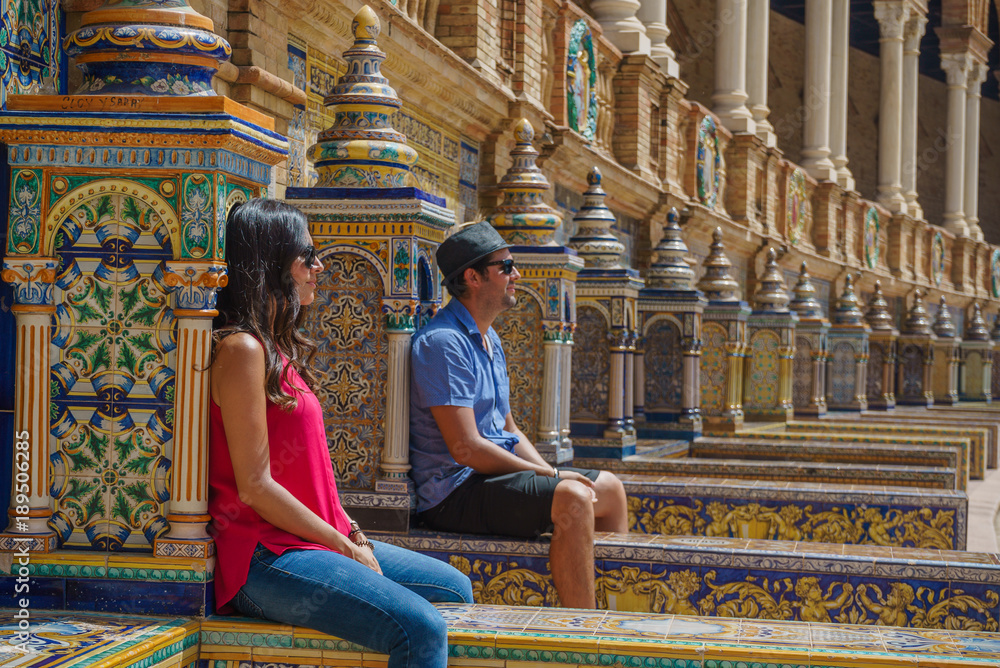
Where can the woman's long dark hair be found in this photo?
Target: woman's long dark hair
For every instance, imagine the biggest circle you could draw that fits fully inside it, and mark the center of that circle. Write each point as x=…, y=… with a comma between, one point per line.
x=264, y=237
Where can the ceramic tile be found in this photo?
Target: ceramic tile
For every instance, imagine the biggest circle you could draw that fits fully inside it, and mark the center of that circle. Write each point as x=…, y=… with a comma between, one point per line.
x=754, y=632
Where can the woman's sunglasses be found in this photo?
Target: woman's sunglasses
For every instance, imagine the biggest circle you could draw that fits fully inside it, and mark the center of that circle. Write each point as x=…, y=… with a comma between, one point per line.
x=506, y=266
x=309, y=255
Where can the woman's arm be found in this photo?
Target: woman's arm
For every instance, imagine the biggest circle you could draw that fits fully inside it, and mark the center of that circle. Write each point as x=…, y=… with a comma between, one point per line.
x=238, y=389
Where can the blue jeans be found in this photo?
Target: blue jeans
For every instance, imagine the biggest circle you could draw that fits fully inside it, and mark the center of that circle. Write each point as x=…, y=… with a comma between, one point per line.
x=334, y=594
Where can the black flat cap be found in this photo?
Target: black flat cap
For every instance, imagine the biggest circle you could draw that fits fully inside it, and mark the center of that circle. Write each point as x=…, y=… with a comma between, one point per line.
x=470, y=244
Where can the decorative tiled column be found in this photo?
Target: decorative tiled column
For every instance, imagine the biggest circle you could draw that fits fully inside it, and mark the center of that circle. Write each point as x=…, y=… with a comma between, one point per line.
x=771, y=348
x=724, y=342
x=670, y=313
x=30, y=503
x=881, y=385
x=947, y=356
x=606, y=294
x=809, y=367
x=915, y=356
x=194, y=286
x=377, y=235
x=546, y=300
x=549, y=422
x=846, y=373
x=976, y=372
x=913, y=32
x=891, y=16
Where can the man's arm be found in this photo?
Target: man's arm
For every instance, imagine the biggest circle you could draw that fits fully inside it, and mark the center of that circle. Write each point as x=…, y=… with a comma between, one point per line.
x=469, y=448
x=524, y=448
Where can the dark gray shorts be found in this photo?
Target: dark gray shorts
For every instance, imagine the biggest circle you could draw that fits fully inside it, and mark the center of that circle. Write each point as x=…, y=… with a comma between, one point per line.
x=515, y=504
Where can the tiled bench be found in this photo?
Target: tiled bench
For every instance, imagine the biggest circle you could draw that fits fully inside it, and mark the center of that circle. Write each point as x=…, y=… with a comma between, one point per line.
x=501, y=637
x=842, y=448
x=744, y=578
x=980, y=441
x=820, y=512
x=933, y=477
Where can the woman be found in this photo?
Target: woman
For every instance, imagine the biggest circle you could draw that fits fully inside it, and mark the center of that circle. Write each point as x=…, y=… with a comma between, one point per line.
x=287, y=550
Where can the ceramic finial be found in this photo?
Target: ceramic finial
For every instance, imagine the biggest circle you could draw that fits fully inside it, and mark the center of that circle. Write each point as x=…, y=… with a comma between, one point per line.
x=717, y=283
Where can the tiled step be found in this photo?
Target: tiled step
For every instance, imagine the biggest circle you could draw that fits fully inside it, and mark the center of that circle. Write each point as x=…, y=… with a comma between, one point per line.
x=980, y=439
x=845, y=449
x=482, y=636
x=729, y=577
x=781, y=510
x=933, y=477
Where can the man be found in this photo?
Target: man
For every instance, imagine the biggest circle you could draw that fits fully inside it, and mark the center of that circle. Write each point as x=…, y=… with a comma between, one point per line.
x=475, y=471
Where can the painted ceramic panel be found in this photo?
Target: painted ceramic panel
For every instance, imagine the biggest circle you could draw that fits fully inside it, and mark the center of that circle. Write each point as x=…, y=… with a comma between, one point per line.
x=762, y=373
x=581, y=81
x=520, y=330
x=710, y=170
x=25, y=213
x=297, y=130
x=714, y=369
x=346, y=322
x=937, y=258
x=995, y=385
x=31, y=58
x=871, y=237
x=995, y=273
x=112, y=376
x=843, y=369
x=974, y=373
x=591, y=366
x=664, y=362
x=802, y=373
x=797, y=203
x=911, y=359
x=876, y=360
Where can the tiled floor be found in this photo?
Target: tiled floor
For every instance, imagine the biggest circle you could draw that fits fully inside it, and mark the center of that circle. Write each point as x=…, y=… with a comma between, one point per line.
x=489, y=636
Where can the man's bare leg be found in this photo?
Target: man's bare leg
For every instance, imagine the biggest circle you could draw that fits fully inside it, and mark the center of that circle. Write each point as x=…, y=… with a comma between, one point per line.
x=571, y=553
x=611, y=509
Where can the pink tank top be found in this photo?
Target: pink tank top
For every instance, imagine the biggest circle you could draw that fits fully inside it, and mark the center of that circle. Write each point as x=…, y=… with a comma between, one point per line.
x=300, y=462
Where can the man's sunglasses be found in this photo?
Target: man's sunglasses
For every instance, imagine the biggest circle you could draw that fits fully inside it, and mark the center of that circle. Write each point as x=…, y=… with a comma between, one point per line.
x=506, y=266
x=309, y=255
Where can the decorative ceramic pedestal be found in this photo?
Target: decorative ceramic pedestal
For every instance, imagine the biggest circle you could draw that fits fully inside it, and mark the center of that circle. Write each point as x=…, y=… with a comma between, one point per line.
x=976, y=370
x=947, y=357
x=670, y=314
x=724, y=342
x=538, y=333
x=916, y=357
x=809, y=367
x=880, y=387
x=377, y=238
x=771, y=349
x=846, y=386
x=602, y=418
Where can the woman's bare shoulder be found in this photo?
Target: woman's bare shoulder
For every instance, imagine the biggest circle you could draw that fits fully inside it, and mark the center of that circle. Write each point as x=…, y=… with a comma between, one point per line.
x=240, y=350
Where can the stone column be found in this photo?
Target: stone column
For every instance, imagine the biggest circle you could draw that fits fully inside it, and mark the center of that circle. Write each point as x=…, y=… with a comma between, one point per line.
x=548, y=426
x=565, y=384
x=691, y=387
x=956, y=66
x=818, y=398
x=193, y=285
x=621, y=26
x=628, y=408
x=395, y=464
x=758, y=53
x=616, y=385
x=970, y=200
x=730, y=97
x=861, y=380
x=914, y=31
x=816, y=97
x=736, y=352
x=892, y=16
x=839, y=68
x=653, y=14
x=30, y=503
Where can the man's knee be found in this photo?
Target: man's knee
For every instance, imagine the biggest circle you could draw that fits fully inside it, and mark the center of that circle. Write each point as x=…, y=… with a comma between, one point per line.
x=572, y=505
x=608, y=483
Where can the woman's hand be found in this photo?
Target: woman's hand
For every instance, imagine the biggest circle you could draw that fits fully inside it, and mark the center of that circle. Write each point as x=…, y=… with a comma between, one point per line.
x=363, y=554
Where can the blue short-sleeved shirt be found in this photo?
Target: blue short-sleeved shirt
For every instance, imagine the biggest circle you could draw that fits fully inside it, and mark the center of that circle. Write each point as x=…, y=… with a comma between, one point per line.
x=450, y=367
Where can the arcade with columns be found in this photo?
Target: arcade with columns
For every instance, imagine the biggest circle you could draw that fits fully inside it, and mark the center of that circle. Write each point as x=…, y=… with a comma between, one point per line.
x=760, y=262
